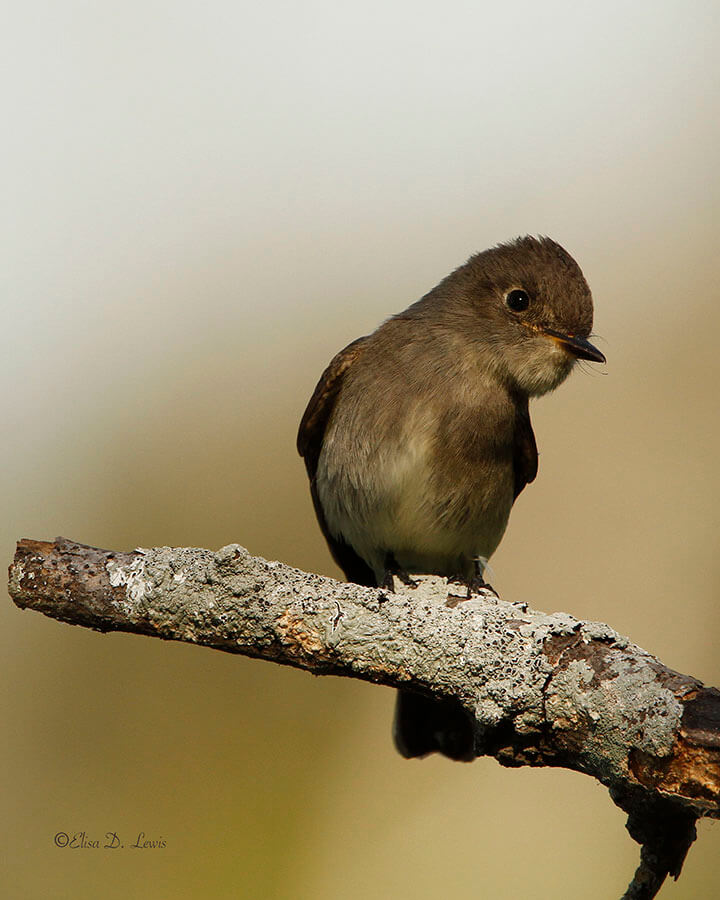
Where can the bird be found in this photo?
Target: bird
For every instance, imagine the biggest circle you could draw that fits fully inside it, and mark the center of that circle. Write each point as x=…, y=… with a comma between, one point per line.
x=417, y=439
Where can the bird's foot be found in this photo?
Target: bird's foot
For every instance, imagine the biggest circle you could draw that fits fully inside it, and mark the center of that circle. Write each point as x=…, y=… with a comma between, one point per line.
x=478, y=585
x=392, y=571
x=474, y=587
x=388, y=581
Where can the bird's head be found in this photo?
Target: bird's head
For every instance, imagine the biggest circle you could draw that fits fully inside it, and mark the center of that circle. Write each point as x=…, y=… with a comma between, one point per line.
x=533, y=310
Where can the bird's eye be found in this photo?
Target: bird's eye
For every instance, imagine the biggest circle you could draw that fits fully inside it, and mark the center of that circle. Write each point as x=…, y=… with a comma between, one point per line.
x=517, y=300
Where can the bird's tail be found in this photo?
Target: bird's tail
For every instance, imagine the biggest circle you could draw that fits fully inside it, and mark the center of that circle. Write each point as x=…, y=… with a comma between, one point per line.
x=423, y=725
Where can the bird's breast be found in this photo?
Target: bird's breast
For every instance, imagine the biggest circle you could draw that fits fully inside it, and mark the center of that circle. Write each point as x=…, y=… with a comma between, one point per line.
x=433, y=484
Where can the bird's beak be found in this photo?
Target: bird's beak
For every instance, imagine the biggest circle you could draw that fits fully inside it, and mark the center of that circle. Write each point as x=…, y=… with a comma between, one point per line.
x=578, y=346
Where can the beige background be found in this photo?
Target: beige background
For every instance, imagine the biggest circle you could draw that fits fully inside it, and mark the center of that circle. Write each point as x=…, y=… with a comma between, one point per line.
x=202, y=203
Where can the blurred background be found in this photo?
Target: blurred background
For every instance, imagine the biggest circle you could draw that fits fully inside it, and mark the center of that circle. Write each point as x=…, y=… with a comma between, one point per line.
x=202, y=203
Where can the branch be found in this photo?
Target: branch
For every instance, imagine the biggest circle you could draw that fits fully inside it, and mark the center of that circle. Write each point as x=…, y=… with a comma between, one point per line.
x=543, y=690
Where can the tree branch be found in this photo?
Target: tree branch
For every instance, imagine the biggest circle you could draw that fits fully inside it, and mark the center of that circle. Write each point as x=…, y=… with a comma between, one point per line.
x=543, y=690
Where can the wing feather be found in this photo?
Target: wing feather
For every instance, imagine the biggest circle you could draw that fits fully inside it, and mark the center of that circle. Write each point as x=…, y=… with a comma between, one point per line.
x=309, y=444
x=525, y=455
x=322, y=403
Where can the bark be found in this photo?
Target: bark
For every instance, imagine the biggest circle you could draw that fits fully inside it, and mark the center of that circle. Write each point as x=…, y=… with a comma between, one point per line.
x=542, y=689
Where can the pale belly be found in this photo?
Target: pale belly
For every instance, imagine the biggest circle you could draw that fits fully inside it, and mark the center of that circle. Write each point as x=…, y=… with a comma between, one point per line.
x=393, y=501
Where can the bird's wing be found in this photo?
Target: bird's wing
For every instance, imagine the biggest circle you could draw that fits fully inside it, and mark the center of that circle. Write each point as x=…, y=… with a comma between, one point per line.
x=309, y=443
x=525, y=455
x=320, y=406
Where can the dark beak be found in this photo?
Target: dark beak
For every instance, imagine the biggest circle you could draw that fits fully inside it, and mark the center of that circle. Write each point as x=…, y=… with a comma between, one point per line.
x=578, y=346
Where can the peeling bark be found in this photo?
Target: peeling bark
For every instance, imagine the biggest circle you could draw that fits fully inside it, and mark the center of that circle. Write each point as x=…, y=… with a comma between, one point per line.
x=542, y=689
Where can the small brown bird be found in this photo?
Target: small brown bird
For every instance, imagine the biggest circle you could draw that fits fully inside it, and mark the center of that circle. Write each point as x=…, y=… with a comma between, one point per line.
x=417, y=439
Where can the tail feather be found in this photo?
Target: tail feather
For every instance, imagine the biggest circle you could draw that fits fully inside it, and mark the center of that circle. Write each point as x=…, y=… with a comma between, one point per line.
x=423, y=725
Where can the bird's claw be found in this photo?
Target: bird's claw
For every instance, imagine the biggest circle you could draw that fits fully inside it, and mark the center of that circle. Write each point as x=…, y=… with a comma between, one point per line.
x=474, y=587
x=393, y=570
x=388, y=581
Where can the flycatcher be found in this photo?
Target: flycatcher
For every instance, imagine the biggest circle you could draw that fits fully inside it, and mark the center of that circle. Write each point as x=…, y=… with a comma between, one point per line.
x=417, y=439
